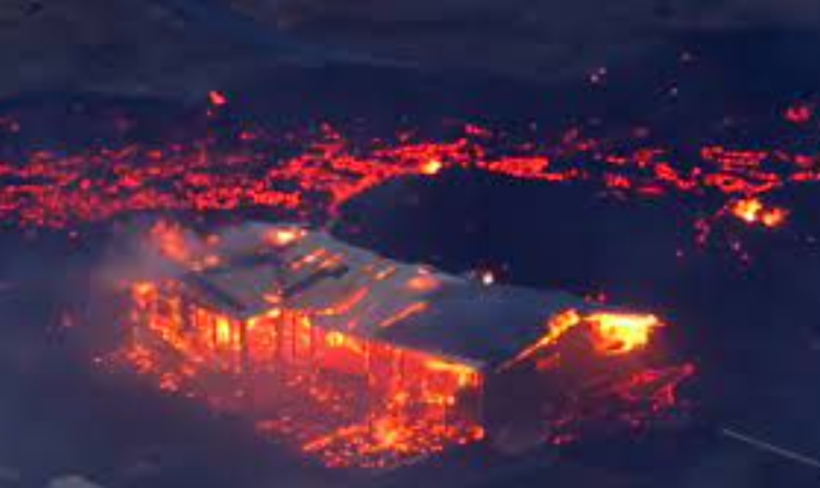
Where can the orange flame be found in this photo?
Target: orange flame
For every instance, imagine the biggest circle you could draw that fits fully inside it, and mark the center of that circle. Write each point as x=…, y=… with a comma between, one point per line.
x=558, y=326
x=283, y=237
x=413, y=404
x=412, y=309
x=354, y=400
x=432, y=167
x=422, y=283
x=615, y=333
x=611, y=333
x=753, y=211
x=169, y=239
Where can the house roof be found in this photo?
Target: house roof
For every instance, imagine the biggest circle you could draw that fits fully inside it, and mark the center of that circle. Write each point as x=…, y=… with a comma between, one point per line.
x=357, y=291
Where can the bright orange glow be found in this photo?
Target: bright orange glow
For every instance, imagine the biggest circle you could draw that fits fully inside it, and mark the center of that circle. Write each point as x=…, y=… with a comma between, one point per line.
x=346, y=305
x=307, y=175
x=774, y=217
x=621, y=333
x=170, y=239
x=557, y=327
x=610, y=333
x=402, y=314
x=335, y=339
x=347, y=400
x=332, y=387
x=753, y=211
x=385, y=273
x=352, y=401
x=432, y=167
x=308, y=259
x=223, y=334
x=465, y=374
x=143, y=289
x=283, y=237
x=422, y=283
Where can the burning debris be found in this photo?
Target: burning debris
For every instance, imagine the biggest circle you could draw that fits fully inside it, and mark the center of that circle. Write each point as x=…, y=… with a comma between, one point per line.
x=362, y=361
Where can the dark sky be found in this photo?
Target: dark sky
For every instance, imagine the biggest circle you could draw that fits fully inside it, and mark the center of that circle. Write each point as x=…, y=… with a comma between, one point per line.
x=181, y=47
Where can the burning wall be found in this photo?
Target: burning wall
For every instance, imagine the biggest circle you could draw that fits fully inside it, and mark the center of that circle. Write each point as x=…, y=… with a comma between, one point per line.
x=347, y=399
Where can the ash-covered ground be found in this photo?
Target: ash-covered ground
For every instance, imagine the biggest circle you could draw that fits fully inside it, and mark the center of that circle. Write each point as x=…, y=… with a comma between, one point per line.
x=751, y=327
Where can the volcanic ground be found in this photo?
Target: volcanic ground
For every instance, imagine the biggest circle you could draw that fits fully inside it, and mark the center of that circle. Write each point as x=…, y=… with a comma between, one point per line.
x=740, y=295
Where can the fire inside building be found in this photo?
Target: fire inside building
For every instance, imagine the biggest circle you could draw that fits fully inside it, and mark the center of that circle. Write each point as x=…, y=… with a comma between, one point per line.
x=362, y=361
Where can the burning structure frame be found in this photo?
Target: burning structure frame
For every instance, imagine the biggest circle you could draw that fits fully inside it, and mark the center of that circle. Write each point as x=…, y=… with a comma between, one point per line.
x=363, y=361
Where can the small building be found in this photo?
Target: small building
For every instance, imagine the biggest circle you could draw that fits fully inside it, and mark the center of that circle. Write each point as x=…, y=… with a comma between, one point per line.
x=365, y=361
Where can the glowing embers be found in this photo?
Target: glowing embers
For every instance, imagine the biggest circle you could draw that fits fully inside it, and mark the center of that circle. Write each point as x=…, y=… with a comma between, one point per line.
x=603, y=363
x=305, y=174
x=799, y=113
x=169, y=238
x=636, y=401
x=285, y=236
x=198, y=335
x=420, y=405
x=754, y=212
x=181, y=246
x=363, y=403
x=401, y=314
x=347, y=400
x=423, y=282
x=312, y=356
x=557, y=326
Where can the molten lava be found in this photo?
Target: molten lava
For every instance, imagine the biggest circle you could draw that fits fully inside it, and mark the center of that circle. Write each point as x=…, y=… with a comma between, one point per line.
x=310, y=174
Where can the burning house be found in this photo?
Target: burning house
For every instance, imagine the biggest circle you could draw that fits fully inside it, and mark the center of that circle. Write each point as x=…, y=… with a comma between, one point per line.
x=363, y=361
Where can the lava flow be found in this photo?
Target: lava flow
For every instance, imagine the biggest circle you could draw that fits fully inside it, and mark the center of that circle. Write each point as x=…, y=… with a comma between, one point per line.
x=309, y=174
